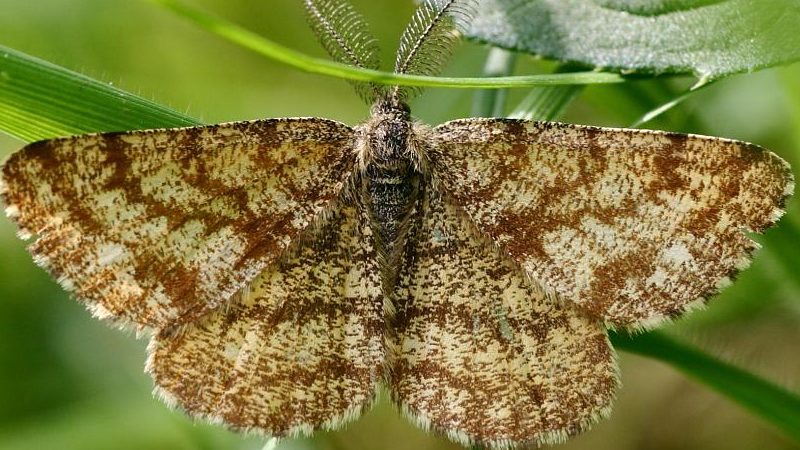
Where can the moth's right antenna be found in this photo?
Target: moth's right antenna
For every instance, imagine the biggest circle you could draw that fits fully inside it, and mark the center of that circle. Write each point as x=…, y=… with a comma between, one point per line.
x=428, y=41
x=344, y=34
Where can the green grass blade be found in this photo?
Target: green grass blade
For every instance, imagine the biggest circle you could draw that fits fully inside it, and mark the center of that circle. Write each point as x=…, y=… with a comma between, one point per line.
x=663, y=108
x=74, y=103
x=39, y=100
x=491, y=103
x=272, y=50
x=773, y=403
x=546, y=103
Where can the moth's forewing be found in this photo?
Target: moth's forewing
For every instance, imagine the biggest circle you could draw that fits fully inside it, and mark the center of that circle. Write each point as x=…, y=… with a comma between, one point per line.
x=483, y=356
x=632, y=226
x=158, y=227
x=301, y=348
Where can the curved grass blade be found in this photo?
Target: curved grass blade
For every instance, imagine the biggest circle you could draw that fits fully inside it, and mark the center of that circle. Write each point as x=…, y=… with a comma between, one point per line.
x=492, y=103
x=547, y=103
x=265, y=47
x=663, y=108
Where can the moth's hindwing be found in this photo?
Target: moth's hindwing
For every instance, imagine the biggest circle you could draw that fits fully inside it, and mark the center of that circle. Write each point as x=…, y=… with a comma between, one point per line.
x=155, y=227
x=632, y=226
x=483, y=356
x=302, y=348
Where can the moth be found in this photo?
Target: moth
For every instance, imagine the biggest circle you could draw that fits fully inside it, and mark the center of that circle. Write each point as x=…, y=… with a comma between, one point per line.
x=288, y=267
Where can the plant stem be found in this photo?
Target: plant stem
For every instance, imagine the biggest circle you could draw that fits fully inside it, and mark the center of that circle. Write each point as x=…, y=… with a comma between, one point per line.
x=272, y=50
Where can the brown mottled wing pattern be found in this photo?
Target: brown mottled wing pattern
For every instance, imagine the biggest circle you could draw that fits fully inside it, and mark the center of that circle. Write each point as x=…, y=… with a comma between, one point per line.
x=632, y=226
x=482, y=355
x=302, y=348
x=154, y=227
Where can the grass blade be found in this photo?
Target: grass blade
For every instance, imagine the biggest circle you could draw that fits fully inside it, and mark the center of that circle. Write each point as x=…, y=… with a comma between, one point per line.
x=663, y=108
x=773, y=403
x=546, y=103
x=39, y=100
x=491, y=103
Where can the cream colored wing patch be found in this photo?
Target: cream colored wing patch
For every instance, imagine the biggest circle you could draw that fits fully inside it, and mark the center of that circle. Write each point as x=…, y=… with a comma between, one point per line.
x=301, y=348
x=153, y=227
x=481, y=355
x=632, y=226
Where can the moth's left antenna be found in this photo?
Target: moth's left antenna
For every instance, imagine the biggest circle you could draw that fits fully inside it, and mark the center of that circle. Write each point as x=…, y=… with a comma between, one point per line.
x=347, y=39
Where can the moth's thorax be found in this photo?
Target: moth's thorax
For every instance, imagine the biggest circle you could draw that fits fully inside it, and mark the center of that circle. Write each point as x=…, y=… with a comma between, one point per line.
x=385, y=136
x=390, y=179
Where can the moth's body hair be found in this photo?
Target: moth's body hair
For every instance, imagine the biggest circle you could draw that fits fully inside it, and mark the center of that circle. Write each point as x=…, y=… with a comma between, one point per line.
x=390, y=146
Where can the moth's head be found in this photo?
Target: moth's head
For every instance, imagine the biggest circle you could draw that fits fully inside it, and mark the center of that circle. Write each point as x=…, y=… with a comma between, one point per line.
x=393, y=107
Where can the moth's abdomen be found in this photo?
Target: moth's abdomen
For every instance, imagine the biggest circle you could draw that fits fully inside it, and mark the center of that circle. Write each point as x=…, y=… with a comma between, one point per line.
x=391, y=194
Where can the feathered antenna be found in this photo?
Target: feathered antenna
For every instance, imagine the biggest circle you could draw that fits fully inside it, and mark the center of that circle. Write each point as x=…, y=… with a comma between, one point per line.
x=347, y=39
x=428, y=41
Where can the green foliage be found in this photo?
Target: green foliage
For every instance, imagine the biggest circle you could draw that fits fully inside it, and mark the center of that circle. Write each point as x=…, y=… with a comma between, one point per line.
x=775, y=404
x=711, y=39
x=39, y=100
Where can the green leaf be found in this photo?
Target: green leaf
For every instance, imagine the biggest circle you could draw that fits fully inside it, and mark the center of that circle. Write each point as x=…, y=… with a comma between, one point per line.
x=39, y=100
x=491, y=103
x=272, y=50
x=708, y=38
x=773, y=403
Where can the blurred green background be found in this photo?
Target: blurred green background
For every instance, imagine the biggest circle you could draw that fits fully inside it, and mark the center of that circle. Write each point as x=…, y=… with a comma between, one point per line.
x=68, y=381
